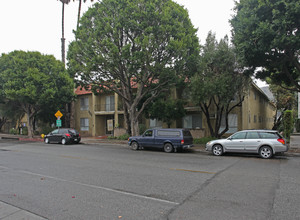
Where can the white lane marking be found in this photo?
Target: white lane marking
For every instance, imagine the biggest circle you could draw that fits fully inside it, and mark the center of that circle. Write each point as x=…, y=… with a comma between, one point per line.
x=97, y=187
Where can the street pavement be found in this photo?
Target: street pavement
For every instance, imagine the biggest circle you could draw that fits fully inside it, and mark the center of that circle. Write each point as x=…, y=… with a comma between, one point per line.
x=9, y=212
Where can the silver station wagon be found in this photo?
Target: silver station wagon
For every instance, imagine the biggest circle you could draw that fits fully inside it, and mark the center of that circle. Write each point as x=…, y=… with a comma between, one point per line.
x=266, y=143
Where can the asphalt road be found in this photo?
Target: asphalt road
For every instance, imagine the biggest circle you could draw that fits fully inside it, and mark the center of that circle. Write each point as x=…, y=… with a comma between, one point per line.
x=109, y=181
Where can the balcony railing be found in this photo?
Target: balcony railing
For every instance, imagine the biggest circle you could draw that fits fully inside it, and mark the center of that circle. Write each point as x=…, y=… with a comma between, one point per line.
x=107, y=107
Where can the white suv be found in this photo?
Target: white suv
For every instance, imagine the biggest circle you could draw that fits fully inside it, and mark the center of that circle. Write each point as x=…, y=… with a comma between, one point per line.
x=266, y=143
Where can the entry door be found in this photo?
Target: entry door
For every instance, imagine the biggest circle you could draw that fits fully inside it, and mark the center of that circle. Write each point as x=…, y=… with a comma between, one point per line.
x=108, y=117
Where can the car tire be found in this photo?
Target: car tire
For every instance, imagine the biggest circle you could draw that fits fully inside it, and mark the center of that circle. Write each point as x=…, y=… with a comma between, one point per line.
x=265, y=152
x=168, y=148
x=217, y=150
x=63, y=141
x=134, y=145
x=47, y=141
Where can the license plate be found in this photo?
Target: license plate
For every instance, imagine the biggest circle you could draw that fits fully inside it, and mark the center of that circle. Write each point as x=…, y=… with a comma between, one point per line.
x=75, y=139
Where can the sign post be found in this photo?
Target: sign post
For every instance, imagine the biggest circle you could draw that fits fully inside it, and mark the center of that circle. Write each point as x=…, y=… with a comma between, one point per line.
x=58, y=115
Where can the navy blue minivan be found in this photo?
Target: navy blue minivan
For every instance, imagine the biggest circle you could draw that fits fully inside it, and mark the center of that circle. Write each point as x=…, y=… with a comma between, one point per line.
x=168, y=139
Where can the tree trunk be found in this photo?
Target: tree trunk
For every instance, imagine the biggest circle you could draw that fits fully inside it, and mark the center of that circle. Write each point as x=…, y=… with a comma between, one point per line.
x=126, y=116
x=78, y=16
x=29, y=123
x=63, y=49
x=2, y=122
x=134, y=121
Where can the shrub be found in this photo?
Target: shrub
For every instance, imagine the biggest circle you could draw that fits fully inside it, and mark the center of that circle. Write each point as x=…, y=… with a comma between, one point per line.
x=46, y=130
x=111, y=137
x=13, y=131
x=124, y=137
x=203, y=140
x=24, y=131
x=288, y=123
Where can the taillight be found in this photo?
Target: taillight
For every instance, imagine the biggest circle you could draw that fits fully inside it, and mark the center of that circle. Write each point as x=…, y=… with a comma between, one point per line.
x=281, y=140
x=68, y=135
x=182, y=141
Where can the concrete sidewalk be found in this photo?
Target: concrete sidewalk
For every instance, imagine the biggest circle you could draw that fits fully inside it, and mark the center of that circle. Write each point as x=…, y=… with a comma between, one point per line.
x=9, y=212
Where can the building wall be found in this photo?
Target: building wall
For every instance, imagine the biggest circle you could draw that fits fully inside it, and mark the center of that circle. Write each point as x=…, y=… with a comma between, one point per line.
x=256, y=112
x=84, y=114
x=97, y=113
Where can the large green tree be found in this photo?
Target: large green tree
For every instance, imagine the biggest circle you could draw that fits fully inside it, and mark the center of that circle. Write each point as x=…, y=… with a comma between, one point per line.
x=166, y=109
x=219, y=86
x=284, y=99
x=266, y=33
x=134, y=48
x=33, y=82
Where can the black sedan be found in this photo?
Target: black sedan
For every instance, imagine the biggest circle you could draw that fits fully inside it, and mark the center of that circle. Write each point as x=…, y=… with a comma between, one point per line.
x=63, y=135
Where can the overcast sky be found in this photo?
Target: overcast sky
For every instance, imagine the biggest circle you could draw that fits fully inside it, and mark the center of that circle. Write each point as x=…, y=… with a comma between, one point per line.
x=35, y=25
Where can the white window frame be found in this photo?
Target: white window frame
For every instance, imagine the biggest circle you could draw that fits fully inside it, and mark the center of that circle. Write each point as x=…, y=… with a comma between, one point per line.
x=189, y=121
x=84, y=104
x=155, y=123
x=232, y=123
x=109, y=103
x=84, y=124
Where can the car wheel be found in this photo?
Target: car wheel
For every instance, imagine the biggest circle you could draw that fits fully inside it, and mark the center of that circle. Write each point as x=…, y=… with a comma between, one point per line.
x=265, y=152
x=134, y=145
x=47, y=141
x=217, y=150
x=168, y=148
x=63, y=141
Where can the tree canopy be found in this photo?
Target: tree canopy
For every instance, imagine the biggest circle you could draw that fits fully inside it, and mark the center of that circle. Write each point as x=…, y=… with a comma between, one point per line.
x=134, y=48
x=266, y=33
x=165, y=108
x=219, y=85
x=34, y=82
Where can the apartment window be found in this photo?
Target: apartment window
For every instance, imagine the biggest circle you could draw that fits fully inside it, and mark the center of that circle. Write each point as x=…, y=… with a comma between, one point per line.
x=254, y=119
x=154, y=123
x=192, y=121
x=84, y=104
x=84, y=124
x=232, y=123
x=110, y=103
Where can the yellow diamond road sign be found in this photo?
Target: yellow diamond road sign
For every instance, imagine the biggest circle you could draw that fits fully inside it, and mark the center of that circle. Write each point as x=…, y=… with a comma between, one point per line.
x=58, y=114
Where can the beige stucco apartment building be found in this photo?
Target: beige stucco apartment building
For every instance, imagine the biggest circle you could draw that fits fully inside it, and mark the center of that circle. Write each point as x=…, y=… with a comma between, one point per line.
x=102, y=115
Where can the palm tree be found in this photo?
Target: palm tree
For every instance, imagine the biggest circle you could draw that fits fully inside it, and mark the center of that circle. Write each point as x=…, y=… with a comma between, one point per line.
x=63, y=47
x=79, y=10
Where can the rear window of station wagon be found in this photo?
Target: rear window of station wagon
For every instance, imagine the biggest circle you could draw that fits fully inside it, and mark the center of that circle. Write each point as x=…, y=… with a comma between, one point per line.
x=269, y=135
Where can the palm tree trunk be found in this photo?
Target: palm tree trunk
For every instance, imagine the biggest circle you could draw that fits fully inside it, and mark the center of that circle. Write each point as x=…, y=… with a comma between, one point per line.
x=63, y=48
x=79, y=10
